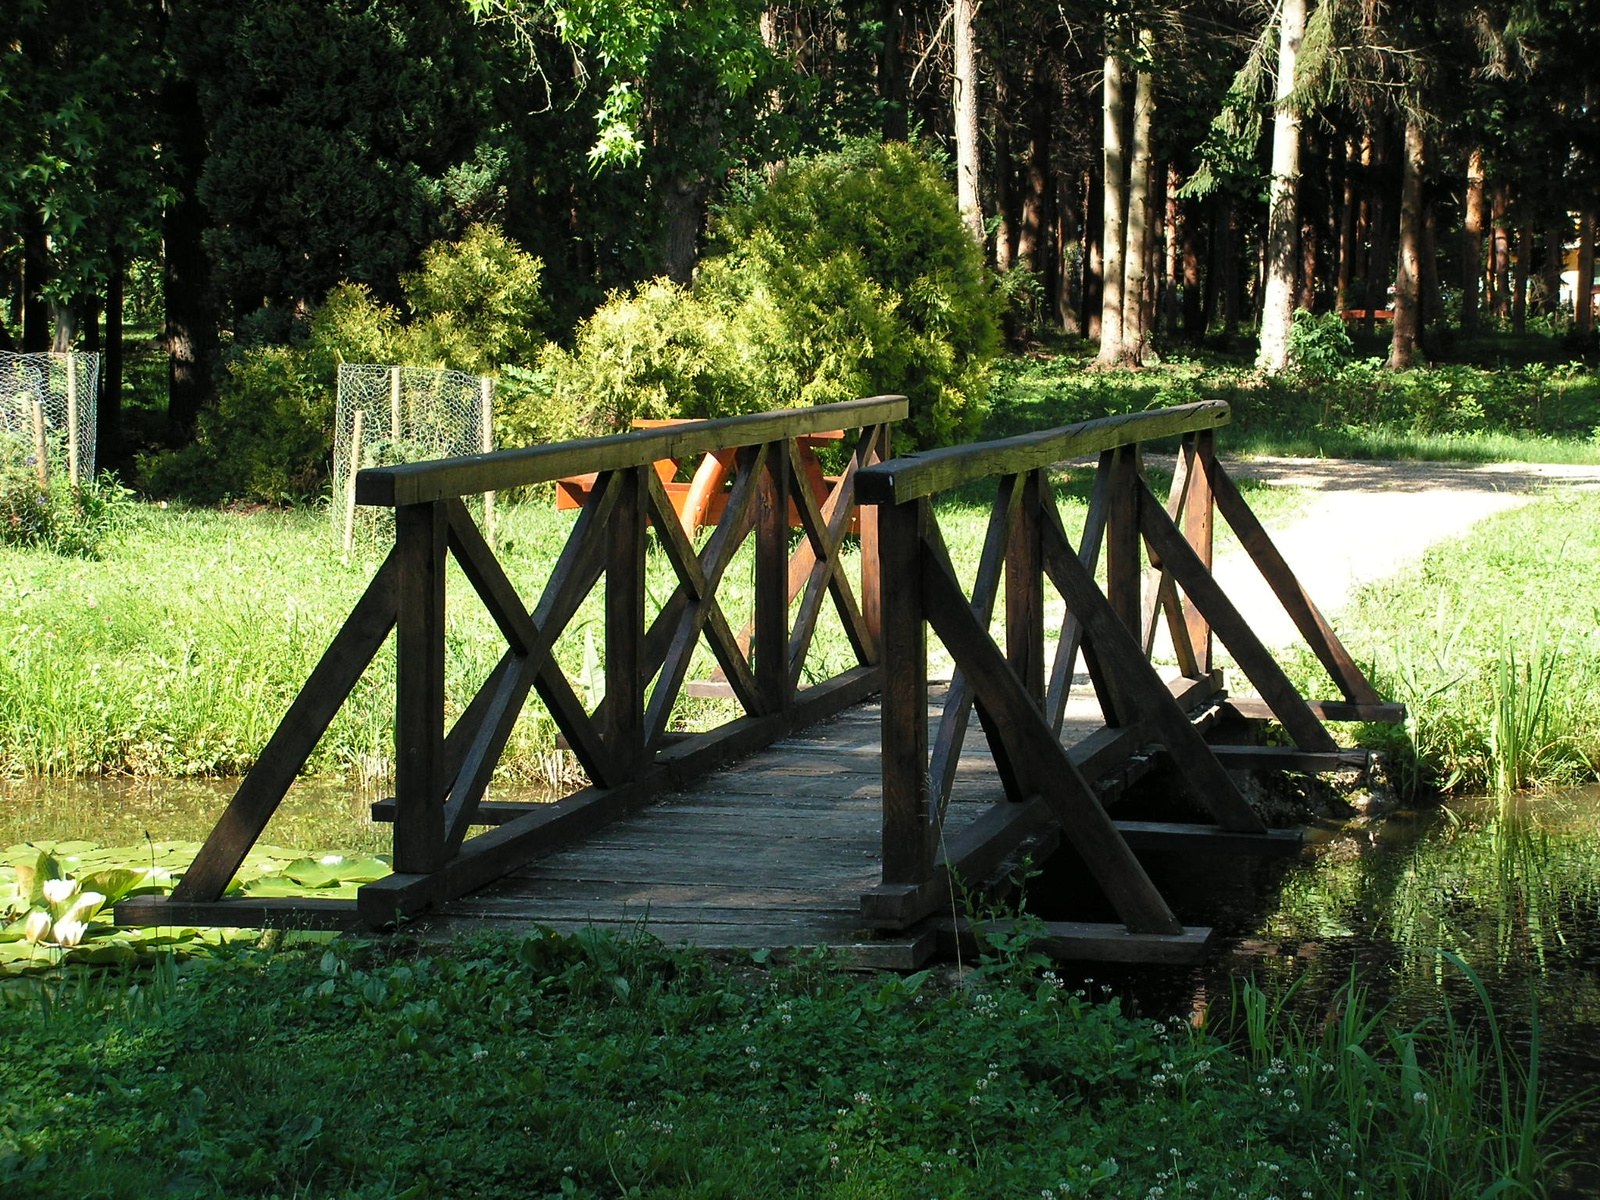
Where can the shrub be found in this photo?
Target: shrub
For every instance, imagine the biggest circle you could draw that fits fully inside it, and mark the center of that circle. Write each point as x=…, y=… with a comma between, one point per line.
x=473, y=304
x=852, y=274
x=1320, y=347
x=72, y=522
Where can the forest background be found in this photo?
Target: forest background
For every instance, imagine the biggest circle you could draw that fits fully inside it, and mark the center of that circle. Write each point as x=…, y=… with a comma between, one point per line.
x=205, y=176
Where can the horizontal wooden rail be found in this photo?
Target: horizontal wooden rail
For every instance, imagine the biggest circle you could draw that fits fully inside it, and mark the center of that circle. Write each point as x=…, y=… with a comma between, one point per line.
x=424, y=482
x=936, y=471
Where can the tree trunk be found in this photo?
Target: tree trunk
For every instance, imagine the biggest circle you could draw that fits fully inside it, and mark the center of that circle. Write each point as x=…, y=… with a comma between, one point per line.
x=1519, y=281
x=1172, y=275
x=964, y=90
x=1432, y=294
x=891, y=75
x=1347, y=228
x=1378, y=264
x=1112, y=229
x=1066, y=226
x=1502, y=250
x=1583, y=303
x=1472, y=241
x=1408, y=279
x=683, y=203
x=190, y=333
x=1194, y=326
x=35, y=272
x=1136, y=249
x=1033, y=229
x=108, y=432
x=1005, y=194
x=1555, y=241
x=1230, y=283
x=65, y=318
x=1283, y=220
x=1094, y=277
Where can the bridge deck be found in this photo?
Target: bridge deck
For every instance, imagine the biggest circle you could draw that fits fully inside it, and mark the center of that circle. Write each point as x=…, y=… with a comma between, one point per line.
x=772, y=852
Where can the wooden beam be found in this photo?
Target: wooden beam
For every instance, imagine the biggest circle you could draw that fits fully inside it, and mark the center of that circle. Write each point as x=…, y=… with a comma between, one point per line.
x=1209, y=839
x=1075, y=941
x=290, y=912
x=291, y=744
x=1326, y=710
x=934, y=471
x=418, y=483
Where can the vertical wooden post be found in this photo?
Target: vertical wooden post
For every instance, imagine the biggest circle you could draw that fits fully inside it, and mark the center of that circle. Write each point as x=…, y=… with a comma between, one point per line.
x=1197, y=529
x=72, y=420
x=908, y=833
x=420, y=540
x=624, y=635
x=771, y=642
x=486, y=443
x=1123, y=569
x=394, y=404
x=41, y=447
x=871, y=580
x=1025, y=592
x=357, y=434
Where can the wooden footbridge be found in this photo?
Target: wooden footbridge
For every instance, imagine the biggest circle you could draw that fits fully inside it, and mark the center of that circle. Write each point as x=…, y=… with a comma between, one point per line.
x=856, y=809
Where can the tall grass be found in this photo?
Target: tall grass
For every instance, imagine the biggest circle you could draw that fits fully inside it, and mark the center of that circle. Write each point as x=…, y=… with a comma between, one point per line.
x=1471, y=1115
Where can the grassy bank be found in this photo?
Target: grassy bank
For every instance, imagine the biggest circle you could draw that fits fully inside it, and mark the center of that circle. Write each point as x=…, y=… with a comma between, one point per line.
x=1523, y=411
x=586, y=1067
x=177, y=654
x=1493, y=643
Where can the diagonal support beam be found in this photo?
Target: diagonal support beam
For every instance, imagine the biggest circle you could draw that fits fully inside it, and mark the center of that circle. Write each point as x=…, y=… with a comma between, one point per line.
x=1141, y=685
x=1065, y=791
x=1253, y=658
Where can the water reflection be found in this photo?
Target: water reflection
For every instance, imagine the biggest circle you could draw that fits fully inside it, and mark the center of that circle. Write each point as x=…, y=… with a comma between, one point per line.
x=1510, y=885
x=327, y=815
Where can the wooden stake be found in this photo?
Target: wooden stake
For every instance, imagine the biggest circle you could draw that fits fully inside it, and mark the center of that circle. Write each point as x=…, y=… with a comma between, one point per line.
x=394, y=404
x=359, y=429
x=72, y=419
x=486, y=423
x=41, y=448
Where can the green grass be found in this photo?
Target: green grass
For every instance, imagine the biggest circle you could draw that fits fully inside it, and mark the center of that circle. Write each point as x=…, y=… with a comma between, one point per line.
x=1493, y=643
x=589, y=1067
x=1532, y=411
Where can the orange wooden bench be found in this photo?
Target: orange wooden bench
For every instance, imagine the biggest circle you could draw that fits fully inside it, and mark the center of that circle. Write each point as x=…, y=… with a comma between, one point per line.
x=700, y=501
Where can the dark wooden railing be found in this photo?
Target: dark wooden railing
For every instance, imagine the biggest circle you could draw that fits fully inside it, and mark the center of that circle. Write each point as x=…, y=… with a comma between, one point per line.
x=1020, y=689
x=624, y=744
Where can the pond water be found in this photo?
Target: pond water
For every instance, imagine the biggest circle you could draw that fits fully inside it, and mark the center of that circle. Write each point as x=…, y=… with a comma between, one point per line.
x=1512, y=886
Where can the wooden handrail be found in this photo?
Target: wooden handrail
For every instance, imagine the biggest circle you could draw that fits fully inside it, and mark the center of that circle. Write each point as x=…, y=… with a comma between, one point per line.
x=917, y=475
x=442, y=479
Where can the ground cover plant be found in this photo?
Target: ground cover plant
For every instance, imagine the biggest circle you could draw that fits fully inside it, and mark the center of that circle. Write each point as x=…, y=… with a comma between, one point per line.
x=587, y=1066
x=1493, y=643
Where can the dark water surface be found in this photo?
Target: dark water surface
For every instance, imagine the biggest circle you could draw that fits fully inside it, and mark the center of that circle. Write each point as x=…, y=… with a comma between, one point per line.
x=1512, y=886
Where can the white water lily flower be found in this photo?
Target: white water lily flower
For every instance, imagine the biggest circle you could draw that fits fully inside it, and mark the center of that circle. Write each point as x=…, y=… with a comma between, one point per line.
x=331, y=860
x=69, y=932
x=37, y=927
x=59, y=891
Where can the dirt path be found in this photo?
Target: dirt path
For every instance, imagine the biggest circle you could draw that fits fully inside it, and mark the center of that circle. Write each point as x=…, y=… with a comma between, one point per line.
x=1369, y=519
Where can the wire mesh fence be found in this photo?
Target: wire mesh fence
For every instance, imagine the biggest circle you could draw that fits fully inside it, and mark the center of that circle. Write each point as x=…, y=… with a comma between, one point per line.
x=386, y=415
x=47, y=414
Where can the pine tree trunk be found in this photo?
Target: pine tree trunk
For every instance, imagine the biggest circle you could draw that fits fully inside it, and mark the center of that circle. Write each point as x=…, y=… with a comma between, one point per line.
x=1136, y=248
x=1347, y=229
x=1194, y=326
x=1432, y=293
x=1583, y=303
x=1277, y=304
x=1555, y=241
x=1229, y=282
x=891, y=75
x=1408, y=279
x=1034, y=226
x=1113, y=223
x=1519, y=280
x=1172, y=275
x=1094, y=275
x=1066, y=224
x=1472, y=241
x=108, y=430
x=965, y=111
x=190, y=332
x=1502, y=250
x=1378, y=263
